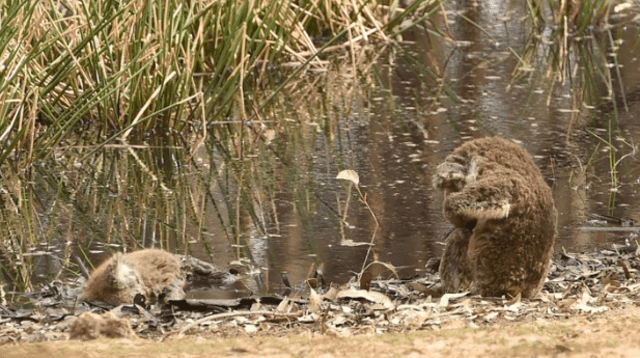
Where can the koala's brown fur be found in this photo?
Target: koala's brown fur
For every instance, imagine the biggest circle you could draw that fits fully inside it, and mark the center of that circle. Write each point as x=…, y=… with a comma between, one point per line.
x=147, y=272
x=504, y=218
x=92, y=326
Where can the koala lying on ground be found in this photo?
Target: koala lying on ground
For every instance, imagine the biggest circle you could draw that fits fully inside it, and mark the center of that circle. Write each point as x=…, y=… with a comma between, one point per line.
x=504, y=220
x=150, y=273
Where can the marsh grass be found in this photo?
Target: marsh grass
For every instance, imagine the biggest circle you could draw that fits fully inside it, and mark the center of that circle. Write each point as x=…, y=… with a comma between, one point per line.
x=572, y=16
x=123, y=67
x=181, y=193
x=127, y=124
x=575, y=45
x=569, y=42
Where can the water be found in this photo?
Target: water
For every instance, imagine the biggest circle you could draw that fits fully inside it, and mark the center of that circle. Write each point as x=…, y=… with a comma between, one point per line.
x=276, y=207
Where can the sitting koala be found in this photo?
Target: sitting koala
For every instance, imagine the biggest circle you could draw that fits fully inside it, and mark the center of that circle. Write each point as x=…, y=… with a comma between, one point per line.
x=504, y=218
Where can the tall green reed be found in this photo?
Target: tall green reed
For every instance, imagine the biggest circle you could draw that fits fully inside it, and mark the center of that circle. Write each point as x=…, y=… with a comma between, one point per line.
x=87, y=78
x=576, y=44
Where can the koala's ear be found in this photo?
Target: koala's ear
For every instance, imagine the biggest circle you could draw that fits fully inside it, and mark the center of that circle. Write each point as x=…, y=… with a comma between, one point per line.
x=111, y=271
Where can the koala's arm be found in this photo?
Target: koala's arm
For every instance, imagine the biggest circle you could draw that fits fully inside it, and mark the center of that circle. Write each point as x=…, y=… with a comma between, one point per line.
x=493, y=197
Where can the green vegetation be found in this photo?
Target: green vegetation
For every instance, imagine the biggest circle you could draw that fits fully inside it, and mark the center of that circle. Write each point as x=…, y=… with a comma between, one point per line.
x=574, y=44
x=123, y=67
x=194, y=78
x=574, y=34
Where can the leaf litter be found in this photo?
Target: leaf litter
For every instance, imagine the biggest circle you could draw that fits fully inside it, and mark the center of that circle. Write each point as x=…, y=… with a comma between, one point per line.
x=578, y=284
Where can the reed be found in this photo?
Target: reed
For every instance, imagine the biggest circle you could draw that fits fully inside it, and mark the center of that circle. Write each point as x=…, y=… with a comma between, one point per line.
x=124, y=68
x=574, y=45
x=571, y=43
x=99, y=101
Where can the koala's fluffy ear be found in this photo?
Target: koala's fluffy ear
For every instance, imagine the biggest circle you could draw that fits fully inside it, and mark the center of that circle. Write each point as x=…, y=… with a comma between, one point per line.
x=111, y=271
x=122, y=275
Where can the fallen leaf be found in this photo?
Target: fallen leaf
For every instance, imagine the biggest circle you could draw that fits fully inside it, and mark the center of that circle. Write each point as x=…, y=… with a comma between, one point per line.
x=331, y=294
x=365, y=280
x=314, y=301
x=491, y=316
x=372, y=296
x=350, y=242
x=444, y=300
x=251, y=328
x=350, y=175
x=284, y=305
x=589, y=309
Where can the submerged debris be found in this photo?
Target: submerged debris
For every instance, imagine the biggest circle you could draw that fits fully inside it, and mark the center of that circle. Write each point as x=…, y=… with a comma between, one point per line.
x=578, y=284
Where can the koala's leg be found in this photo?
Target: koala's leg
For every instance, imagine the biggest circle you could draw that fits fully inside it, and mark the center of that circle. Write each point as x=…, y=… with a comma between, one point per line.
x=498, y=270
x=203, y=275
x=512, y=256
x=455, y=269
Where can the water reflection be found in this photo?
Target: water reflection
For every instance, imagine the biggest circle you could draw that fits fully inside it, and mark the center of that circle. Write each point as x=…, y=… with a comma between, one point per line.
x=280, y=211
x=409, y=131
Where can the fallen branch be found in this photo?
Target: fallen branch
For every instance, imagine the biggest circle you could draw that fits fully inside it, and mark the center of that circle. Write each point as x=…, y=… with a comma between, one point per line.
x=235, y=314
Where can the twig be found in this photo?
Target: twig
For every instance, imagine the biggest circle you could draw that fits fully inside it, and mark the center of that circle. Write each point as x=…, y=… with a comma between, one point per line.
x=235, y=314
x=375, y=229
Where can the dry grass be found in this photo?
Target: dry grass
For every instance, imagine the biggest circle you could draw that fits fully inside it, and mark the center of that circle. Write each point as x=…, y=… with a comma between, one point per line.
x=602, y=336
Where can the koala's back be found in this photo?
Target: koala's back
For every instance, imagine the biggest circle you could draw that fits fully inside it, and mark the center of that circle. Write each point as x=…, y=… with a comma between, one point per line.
x=494, y=152
x=147, y=272
x=494, y=190
x=158, y=269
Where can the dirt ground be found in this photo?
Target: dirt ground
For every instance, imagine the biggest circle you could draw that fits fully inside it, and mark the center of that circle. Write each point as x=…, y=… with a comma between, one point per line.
x=610, y=334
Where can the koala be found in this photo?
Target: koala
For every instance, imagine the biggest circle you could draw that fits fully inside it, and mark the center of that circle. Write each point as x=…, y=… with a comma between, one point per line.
x=504, y=220
x=147, y=272
x=151, y=273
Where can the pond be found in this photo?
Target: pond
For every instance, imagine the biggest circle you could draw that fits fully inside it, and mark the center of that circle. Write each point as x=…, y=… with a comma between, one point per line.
x=272, y=205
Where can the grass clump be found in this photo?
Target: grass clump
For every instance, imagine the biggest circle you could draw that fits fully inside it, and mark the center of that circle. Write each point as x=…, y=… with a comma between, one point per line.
x=574, y=42
x=86, y=79
x=123, y=67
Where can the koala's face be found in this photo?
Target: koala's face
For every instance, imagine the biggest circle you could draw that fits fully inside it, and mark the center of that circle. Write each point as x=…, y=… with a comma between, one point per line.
x=127, y=281
x=114, y=282
x=455, y=173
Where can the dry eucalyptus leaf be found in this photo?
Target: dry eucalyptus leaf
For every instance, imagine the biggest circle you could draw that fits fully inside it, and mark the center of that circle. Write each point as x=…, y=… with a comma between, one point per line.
x=350, y=175
x=314, y=301
x=349, y=242
x=589, y=309
x=372, y=296
x=269, y=136
x=312, y=282
x=491, y=316
x=444, y=300
x=284, y=305
x=387, y=265
x=331, y=294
